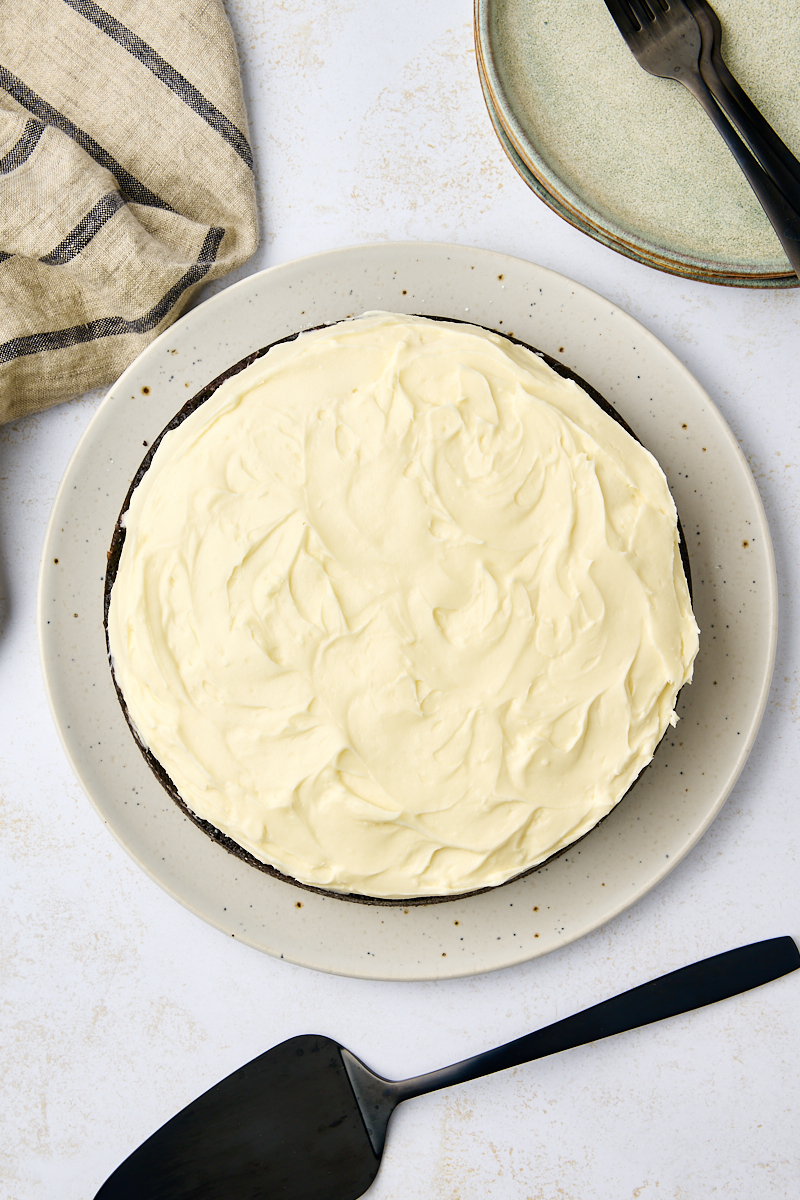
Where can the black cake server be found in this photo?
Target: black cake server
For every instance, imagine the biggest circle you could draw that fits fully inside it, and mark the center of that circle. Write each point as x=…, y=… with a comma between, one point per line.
x=307, y=1120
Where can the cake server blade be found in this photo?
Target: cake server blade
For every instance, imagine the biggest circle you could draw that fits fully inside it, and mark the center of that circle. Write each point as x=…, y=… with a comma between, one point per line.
x=307, y=1120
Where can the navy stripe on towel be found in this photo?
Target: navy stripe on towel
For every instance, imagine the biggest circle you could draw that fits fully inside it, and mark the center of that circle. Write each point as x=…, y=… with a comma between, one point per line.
x=167, y=74
x=59, y=339
x=130, y=186
x=78, y=238
x=21, y=151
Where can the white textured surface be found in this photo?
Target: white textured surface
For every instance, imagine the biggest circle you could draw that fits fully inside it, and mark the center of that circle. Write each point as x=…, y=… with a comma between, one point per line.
x=118, y=1006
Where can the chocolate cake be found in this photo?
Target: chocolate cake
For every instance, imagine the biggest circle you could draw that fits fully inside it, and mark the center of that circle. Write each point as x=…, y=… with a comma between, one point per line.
x=397, y=609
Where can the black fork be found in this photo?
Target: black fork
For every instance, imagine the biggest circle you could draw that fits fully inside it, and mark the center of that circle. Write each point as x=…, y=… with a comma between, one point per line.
x=666, y=41
x=775, y=157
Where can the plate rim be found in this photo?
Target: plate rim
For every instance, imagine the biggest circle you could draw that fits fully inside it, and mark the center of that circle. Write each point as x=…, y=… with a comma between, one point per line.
x=224, y=298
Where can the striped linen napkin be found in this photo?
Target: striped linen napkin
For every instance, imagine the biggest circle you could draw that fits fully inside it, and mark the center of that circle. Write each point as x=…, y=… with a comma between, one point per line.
x=125, y=180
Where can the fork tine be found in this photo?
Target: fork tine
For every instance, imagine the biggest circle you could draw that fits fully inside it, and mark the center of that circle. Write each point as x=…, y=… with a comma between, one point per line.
x=656, y=8
x=642, y=12
x=622, y=17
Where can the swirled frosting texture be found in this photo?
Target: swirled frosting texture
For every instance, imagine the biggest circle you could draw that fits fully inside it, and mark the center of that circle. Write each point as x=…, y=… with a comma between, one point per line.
x=400, y=610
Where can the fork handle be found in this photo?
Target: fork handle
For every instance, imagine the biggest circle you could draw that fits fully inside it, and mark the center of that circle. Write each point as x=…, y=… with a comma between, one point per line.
x=784, y=216
x=775, y=157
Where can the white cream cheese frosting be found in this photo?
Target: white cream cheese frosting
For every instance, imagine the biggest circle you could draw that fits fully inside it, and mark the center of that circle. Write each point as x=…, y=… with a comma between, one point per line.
x=400, y=610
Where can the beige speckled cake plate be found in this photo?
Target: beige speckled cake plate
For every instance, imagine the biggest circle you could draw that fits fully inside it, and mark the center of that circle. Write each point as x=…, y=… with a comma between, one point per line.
x=696, y=765
x=630, y=159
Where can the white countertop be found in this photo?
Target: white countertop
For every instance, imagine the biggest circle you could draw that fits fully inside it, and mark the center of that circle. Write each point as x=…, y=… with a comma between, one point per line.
x=118, y=1006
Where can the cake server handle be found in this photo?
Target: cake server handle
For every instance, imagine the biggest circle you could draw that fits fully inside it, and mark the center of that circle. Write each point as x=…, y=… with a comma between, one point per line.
x=681, y=991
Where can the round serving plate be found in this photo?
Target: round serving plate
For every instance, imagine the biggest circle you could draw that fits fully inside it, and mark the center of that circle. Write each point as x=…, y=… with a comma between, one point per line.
x=630, y=159
x=734, y=595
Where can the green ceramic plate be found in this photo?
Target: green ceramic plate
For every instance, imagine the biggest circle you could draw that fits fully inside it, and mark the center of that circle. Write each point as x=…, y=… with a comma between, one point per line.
x=630, y=159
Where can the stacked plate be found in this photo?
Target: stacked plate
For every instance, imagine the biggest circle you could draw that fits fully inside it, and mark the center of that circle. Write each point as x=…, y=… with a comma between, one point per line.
x=629, y=159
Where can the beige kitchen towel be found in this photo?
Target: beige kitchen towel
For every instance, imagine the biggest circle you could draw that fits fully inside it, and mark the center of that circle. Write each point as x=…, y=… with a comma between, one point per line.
x=126, y=179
